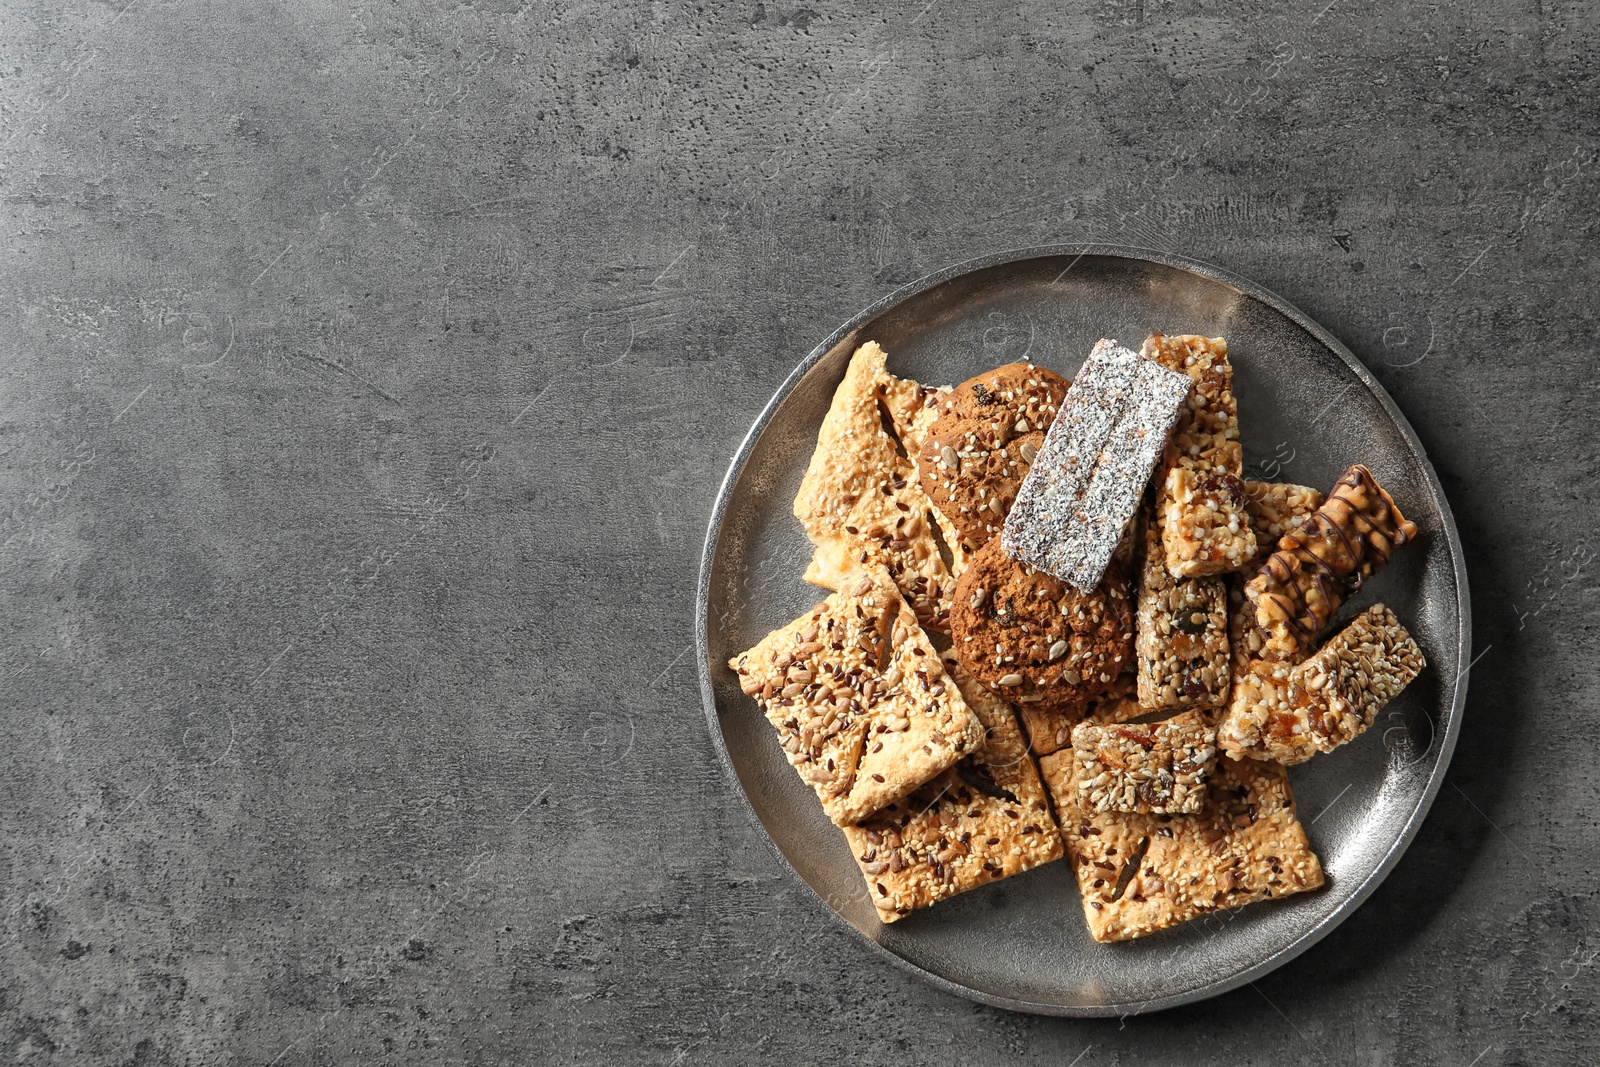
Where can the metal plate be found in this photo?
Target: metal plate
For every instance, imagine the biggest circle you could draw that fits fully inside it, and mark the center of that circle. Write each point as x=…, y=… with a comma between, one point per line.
x=1307, y=409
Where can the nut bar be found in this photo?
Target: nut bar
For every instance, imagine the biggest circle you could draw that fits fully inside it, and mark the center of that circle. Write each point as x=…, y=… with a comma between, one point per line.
x=1181, y=644
x=1142, y=873
x=1149, y=768
x=862, y=707
x=1200, y=496
x=859, y=501
x=1317, y=566
x=1091, y=471
x=1276, y=508
x=985, y=819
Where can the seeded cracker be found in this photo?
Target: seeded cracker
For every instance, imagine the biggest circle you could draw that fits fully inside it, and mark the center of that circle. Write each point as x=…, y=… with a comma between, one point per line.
x=861, y=704
x=1331, y=698
x=1200, y=496
x=983, y=820
x=1150, y=768
x=1246, y=845
x=1091, y=471
x=859, y=501
x=1182, y=642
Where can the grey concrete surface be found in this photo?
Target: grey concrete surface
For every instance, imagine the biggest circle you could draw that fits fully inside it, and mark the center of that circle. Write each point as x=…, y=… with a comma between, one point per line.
x=367, y=371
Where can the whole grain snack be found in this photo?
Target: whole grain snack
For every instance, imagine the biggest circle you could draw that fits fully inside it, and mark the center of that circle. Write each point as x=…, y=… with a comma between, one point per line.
x=1332, y=697
x=1150, y=768
x=1182, y=644
x=1086, y=483
x=1036, y=640
x=985, y=819
x=983, y=441
x=863, y=707
x=1315, y=567
x=1142, y=873
x=1200, y=494
x=1277, y=508
x=859, y=500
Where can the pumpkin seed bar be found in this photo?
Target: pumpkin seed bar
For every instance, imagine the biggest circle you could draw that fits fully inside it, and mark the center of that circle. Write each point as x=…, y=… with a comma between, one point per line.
x=1200, y=494
x=1142, y=873
x=863, y=708
x=1181, y=642
x=985, y=819
x=1150, y=768
x=1090, y=473
x=859, y=500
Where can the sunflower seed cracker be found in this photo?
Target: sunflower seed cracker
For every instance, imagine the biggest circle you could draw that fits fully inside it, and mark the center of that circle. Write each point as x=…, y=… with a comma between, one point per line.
x=1094, y=464
x=859, y=500
x=863, y=708
x=985, y=819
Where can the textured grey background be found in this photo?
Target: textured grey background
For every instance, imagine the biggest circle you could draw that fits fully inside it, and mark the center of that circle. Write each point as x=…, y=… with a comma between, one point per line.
x=367, y=371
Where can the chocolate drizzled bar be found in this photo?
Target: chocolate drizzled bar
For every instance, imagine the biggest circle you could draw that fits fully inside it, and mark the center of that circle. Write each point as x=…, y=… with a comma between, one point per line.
x=1094, y=464
x=1200, y=495
x=1318, y=565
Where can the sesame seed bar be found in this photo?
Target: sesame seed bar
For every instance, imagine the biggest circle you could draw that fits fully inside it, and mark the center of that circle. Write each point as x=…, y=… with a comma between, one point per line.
x=985, y=819
x=1200, y=498
x=1331, y=698
x=859, y=500
x=1142, y=873
x=1150, y=768
x=1091, y=472
x=1295, y=593
x=1276, y=508
x=1181, y=641
x=863, y=708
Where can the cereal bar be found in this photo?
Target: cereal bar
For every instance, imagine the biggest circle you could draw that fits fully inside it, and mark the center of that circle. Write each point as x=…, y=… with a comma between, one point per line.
x=1200, y=496
x=1150, y=768
x=1181, y=642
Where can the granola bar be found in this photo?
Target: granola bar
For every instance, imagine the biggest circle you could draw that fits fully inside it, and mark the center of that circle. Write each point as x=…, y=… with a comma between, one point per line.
x=1292, y=713
x=1181, y=643
x=1317, y=566
x=985, y=819
x=1150, y=768
x=1090, y=473
x=859, y=500
x=1200, y=495
x=1142, y=873
x=862, y=706
x=1277, y=508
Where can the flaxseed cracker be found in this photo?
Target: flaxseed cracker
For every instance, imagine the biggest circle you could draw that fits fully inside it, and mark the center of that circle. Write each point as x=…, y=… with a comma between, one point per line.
x=859, y=500
x=862, y=705
x=1142, y=873
x=985, y=819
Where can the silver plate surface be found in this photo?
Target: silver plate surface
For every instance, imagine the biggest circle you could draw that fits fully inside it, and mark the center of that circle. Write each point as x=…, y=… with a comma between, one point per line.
x=1307, y=409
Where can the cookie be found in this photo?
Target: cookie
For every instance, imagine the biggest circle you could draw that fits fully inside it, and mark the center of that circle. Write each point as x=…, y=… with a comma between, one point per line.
x=1037, y=640
x=982, y=442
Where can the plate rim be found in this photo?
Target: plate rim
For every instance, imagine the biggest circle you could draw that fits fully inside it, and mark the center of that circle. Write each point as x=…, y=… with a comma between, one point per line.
x=1451, y=725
